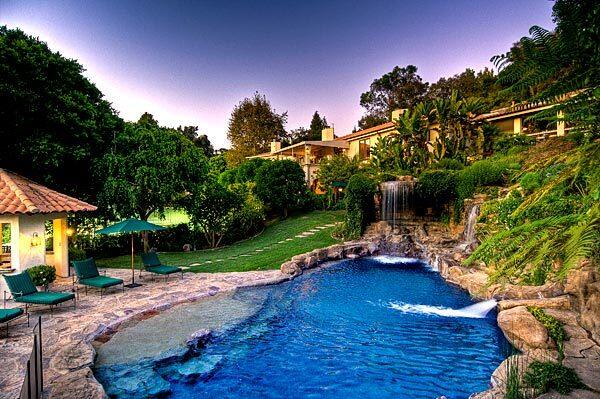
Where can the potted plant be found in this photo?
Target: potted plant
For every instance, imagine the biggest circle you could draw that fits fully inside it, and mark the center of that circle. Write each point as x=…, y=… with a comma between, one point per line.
x=42, y=275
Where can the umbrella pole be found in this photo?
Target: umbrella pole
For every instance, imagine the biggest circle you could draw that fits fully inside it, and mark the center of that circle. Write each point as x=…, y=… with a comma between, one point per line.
x=132, y=269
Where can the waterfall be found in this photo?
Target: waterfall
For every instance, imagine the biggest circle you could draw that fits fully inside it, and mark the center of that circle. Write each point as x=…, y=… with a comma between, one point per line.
x=476, y=311
x=396, y=199
x=469, y=233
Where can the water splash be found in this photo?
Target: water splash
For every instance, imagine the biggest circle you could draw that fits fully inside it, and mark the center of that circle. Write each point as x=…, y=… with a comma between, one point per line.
x=476, y=311
x=391, y=259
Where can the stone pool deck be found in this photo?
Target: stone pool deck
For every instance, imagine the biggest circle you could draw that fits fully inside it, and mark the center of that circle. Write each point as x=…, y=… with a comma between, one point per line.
x=67, y=333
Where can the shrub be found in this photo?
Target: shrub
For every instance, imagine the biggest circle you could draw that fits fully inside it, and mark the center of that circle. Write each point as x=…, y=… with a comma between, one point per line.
x=360, y=204
x=504, y=142
x=246, y=221
x=280, y=185
x=449, y=164
x=42, y=275
x=531, y=181
x=436, y=187
x=544, y=376
x=76, y=253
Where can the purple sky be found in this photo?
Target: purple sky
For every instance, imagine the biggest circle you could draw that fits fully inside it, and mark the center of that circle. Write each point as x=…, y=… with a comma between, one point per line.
x=190, y=63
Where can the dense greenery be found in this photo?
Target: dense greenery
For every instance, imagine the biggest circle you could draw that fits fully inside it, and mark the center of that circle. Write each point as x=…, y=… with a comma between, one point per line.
x=54, y=122
x=148, y=169
x=538, y=232
x=337, y=169
x=546, y=376
x=360, y=208
x=281, y=186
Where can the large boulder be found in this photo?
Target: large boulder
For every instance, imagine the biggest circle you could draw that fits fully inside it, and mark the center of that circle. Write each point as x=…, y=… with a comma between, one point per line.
x=475, y=283
x=291, y=268
x=562, y=302
x=523, y=330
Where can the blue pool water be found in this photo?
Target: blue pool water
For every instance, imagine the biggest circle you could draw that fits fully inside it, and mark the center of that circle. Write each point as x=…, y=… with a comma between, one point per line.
x=365, y=328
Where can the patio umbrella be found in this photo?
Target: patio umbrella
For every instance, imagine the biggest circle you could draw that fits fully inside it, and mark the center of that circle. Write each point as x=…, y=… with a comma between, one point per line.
x=130, y=226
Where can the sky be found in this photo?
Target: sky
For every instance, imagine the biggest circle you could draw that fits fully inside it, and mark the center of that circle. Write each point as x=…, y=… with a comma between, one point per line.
x=191, y=62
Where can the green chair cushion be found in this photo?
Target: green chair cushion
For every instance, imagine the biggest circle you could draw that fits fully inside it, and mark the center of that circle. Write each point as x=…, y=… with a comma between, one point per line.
x=163, y=269
x=20, y=284
x=85, y=268
x=46, y=298
x=101, y=281
x=150, y=259
x=9, y=314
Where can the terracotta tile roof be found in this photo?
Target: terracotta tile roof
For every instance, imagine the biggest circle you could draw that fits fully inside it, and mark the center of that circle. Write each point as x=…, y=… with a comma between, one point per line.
x=383, y=126
x=19, y=195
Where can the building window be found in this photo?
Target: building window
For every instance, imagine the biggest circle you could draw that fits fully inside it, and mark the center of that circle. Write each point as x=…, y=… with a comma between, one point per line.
x=364, y=149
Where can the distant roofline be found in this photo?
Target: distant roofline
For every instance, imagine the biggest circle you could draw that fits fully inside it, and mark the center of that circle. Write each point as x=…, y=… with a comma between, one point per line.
x=365, y=132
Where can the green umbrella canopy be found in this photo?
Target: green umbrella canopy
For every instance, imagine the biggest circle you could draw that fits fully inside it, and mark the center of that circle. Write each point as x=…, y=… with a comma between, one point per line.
x=130, y=226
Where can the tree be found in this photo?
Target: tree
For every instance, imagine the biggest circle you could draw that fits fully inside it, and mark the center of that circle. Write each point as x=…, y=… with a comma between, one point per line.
x=281, y=186
x=253, y=125
x=217, y=165
x=369, y=121
x=53, y=121
x=400, y=88
x=483, y=84
x=548, y=64
x=199, y=140
x=148, y=170
x=317, y=124
x=212, y=208
x=338, y=168
x=299, y=135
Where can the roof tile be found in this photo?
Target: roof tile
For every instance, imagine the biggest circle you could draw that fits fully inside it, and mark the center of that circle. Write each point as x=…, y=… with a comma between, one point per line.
x=19, y=195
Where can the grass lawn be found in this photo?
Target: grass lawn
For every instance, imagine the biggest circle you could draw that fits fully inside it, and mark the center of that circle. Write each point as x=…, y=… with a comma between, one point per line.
x=266, y=251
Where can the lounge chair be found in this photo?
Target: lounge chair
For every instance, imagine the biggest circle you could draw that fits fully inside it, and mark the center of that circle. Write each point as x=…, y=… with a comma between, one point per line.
x=24, y=291
x=87, y=274
x=8, y=315
x=152, y=264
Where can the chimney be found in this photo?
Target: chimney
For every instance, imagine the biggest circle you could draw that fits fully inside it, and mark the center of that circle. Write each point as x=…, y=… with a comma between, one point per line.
x=275, y=146
x=327, y=134
x=397, y=113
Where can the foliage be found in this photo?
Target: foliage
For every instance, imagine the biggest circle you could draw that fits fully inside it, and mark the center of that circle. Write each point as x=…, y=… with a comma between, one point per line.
x=253, y=125
x=469, y=84
x=514, y=385
x=246, y=171
x=546, y=376
x=545, y=231
x=76, y=253
x=211, y=208
x=400, y=88
x=200, y=140
x=552, y=63
x=217, y=165
x=448, y=164
x=436, y=188
x=42, y=275
x=53, y=121
x=360, y=204
x=249, y=219
x=317, y=124
x=280, y=185
x=338, y=168
x=531, y=181
x=149, y=169
x=504, y=142
x=555, y=328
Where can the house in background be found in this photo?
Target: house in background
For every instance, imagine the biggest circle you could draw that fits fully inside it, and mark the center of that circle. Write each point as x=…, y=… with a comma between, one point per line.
x=33, y=222
x=514, y=119
x=361, y=142
x=308, y=154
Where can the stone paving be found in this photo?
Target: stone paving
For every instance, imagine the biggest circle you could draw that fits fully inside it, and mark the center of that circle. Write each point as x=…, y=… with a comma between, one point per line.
x=67, y=333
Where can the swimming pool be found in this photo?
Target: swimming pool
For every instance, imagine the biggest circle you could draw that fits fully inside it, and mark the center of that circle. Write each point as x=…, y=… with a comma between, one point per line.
x=377, y=327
